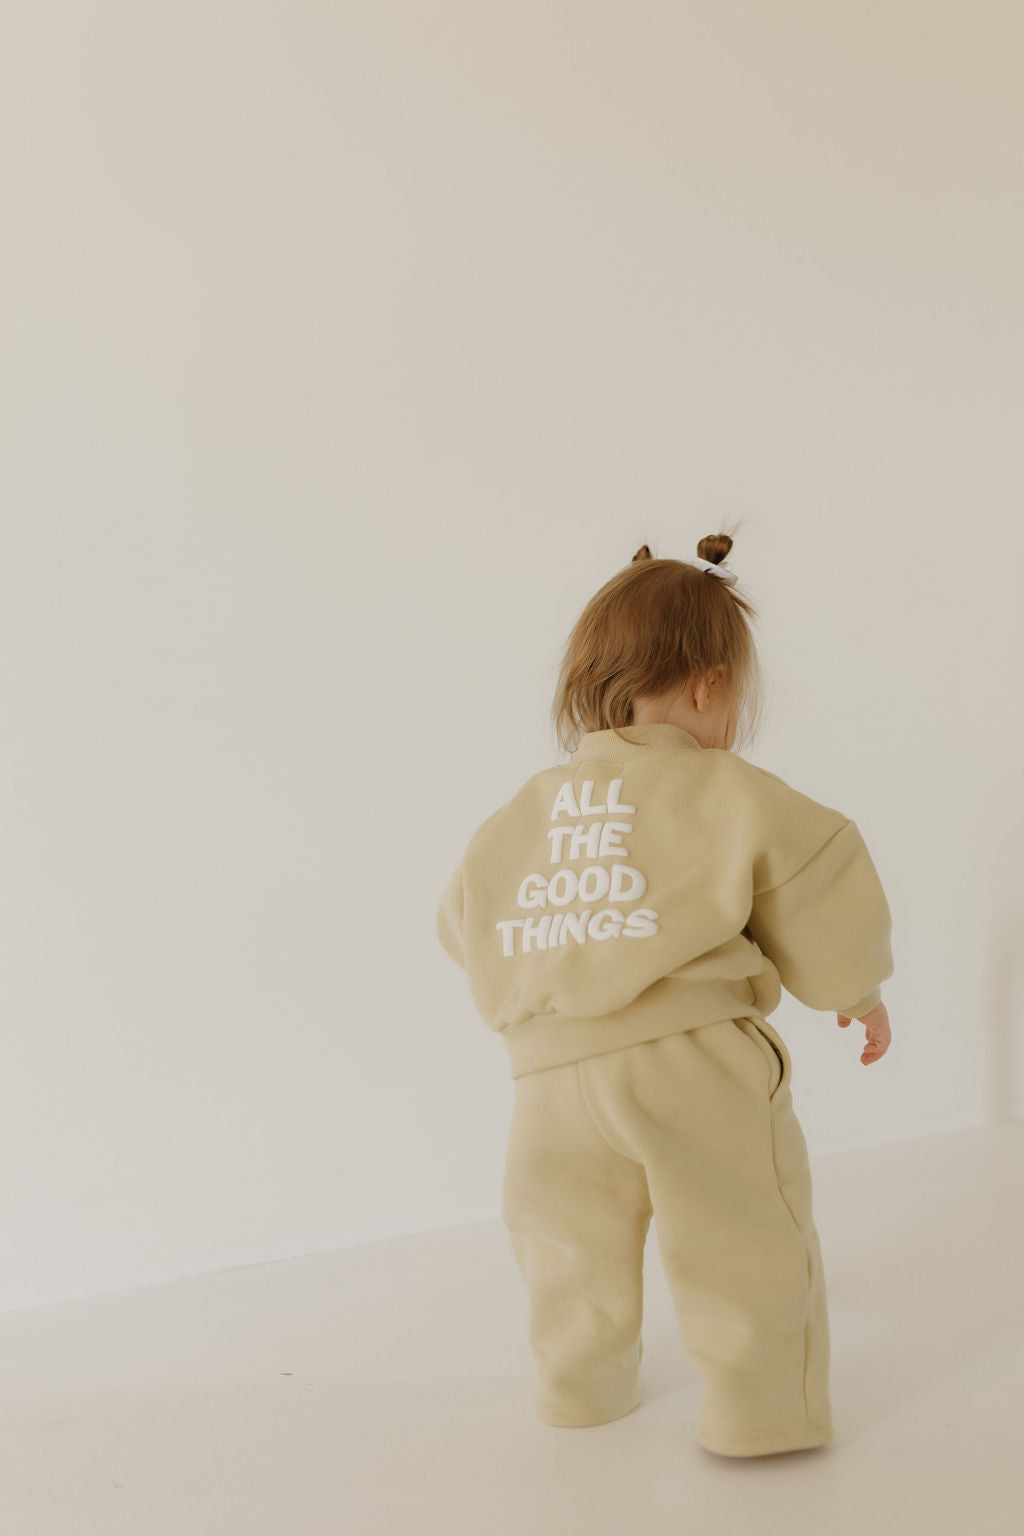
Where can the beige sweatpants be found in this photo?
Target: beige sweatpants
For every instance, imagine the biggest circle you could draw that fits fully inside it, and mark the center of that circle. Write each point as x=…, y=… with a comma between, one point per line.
x=698, y=1130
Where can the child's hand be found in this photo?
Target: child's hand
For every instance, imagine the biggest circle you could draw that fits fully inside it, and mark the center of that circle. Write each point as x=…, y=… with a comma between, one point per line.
x=879, y=1034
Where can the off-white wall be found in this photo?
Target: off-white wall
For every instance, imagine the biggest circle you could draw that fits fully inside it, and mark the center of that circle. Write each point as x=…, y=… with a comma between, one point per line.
x=348, y=350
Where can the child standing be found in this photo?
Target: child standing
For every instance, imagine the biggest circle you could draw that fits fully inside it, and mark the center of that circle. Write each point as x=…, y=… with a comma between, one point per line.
x=627, y=922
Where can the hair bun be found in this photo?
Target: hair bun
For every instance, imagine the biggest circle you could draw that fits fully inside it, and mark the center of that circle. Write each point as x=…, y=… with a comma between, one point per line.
x=643, y=553
x=714, y=547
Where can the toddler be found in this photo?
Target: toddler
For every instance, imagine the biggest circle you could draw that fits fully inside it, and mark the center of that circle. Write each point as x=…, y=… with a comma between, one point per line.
x=627, y=921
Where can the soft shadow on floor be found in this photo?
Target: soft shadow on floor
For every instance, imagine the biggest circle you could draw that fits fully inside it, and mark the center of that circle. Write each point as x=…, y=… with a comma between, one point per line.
x=389, y=1389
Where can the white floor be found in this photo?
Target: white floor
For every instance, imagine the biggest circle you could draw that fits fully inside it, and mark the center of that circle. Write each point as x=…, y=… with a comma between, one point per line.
x=389, y=1388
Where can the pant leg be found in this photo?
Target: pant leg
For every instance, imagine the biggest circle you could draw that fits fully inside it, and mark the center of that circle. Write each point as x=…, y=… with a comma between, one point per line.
x=709, y=1113
x=793, y=1172
x=577, y=1213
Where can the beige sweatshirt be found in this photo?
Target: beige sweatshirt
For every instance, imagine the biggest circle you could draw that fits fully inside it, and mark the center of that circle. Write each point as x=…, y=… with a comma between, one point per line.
x=655, y=885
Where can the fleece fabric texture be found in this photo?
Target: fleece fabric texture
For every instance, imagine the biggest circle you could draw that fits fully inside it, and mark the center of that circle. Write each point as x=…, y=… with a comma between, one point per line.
x=650, y=886
x=697, y=1129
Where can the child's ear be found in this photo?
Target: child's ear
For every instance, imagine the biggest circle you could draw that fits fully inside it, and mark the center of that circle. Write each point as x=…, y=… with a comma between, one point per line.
x=702, y=691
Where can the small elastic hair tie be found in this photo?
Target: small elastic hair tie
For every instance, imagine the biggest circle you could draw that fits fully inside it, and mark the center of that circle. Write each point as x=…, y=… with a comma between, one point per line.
x=722, y=570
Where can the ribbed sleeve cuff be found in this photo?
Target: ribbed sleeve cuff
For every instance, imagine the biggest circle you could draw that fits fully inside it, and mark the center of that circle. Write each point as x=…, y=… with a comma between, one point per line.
x=864, y=1005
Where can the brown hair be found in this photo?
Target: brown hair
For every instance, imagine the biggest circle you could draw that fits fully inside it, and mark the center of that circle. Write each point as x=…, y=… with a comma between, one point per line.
x=650, y=629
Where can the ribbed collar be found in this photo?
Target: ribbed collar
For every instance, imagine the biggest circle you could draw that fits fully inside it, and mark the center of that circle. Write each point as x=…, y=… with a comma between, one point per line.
x=644, y=741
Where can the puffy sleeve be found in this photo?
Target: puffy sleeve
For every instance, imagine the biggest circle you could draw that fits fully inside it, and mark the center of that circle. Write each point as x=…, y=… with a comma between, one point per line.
x=827, y=928
x=449, y=918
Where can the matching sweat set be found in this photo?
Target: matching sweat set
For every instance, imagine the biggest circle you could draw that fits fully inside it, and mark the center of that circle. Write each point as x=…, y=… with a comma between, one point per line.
x=627, y=922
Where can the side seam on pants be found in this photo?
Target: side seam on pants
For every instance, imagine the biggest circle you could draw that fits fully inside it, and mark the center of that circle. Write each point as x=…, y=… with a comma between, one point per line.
x=696, y=1129
x=710, y=1115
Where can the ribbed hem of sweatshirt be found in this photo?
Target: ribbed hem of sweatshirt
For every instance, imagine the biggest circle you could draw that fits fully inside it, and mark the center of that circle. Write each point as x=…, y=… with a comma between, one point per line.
x=643, y=741
x=665, y=1008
